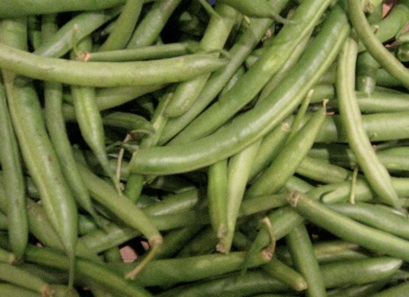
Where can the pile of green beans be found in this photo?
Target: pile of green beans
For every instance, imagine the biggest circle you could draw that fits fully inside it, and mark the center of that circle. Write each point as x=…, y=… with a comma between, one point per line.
x=199, y=148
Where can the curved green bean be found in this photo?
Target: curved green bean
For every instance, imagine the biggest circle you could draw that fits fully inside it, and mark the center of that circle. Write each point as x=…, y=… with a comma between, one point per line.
x=373, y=45
x=359, y=142
x=255, y=123
x=109, y=74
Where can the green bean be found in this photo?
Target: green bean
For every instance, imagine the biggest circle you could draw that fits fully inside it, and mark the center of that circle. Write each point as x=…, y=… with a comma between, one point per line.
x=11, y=290
x=263, y=117
x=322, y=171
x=124, y=26
x=239, y=51
x=270, y=147
x=107, y=74
x=214, y=38
x=302, y=253
x=236, y=285
x=359, y=142
x=41, y=161
x=20, y=8
x=366, y=71
x=348, y=229
x=158, y=51
x=58, y=135
x=86, y=269
x=373, y=46
x=89, y=120
x=361, y=271
x=358, y=290
x=148, y=30
x=108, y=98
x=258, y=75
x=280, y=271
x=34, y=31
x=84, y=24
x=10, y=160
x=292, y=154
x=399, y=290
x=19, y=277
x=295, y=183
x=188, y=269
x=217, y=190
x=332, y=251
x=370, y=215
x=130, y=122
x=204, y=243
x=238, y=171
x=123, y=208
x=393, y=23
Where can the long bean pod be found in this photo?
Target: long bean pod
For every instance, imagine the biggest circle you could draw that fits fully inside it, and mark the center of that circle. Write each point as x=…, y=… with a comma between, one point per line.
x=255, y=123
x=107, y=74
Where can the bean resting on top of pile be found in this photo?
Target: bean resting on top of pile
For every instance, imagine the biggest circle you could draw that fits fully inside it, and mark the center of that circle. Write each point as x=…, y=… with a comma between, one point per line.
x=199, y=148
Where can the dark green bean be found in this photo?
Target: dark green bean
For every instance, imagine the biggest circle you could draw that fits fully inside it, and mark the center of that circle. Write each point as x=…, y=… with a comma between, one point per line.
x=302, y=254
x=399, y=290
x=322, y=171
x=107, y=74
x=264, y=117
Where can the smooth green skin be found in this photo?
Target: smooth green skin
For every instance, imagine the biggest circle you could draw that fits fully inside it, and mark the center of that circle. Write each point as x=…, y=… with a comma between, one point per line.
x=235, y=285
x=374, y=46
x=217, y=191
x=270, y=147
x=375, y=216
x=214, y=38
x=286, y=162
x=361, y=271
x=124, y=26
x=120, y=206
x=61, y=42
x=351, y=120
x=40, y=157
x=189, y=269
x=11, y=8
x=150, y=27
x=20, y=277
x=218, y=80
x=13, y=32
x=285, y=274
x=348, y=229
x=55, y=124
x=246, y=89
x=107, y=74
x=13, y=181
x=158, y=51
x=366, y=71
x=11, y=290
x=303, y=256
x=86, y=271
x=255, y=123
x=322, y=171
